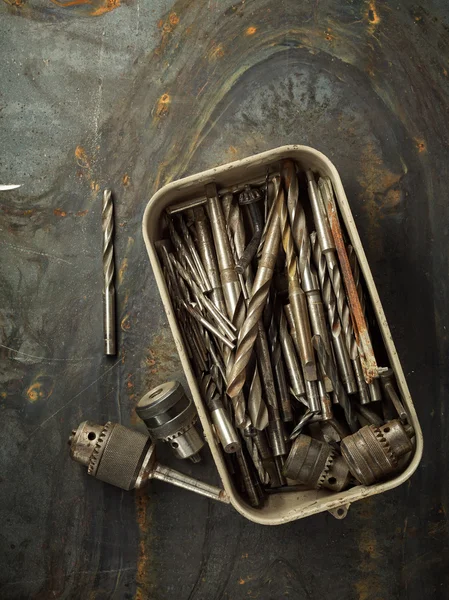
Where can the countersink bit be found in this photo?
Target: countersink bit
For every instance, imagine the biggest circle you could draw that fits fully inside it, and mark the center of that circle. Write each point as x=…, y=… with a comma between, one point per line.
x=208, y=257
x=261, y=287
x=330, y=302
x=365, y=348
x=374, y=386
x=329, y=368
x=195, y=256
x=291, y=360
x=296, y=294
x=107, y=221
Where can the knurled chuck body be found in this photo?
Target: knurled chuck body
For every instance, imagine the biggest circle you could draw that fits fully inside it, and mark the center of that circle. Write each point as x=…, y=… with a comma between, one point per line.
x=171, y=416
x=373, y=453
x=316, y=465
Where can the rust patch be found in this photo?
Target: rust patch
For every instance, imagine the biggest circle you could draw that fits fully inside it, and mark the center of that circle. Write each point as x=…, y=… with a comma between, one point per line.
x=163, y=105
x=122, y=270
x=96, y=8
x=328, y=35
x=373, y=16
x=16, y=3
x=82, y=213
x=125, y=179
x=232, y=150
x=251, y=31
x=143, y=516
x=58, y=212
x=367, y=357
x=173, y=19
x=82, y=158
x=125, y=324
x=216, y=52
x=40, y=389
x=161, y=359
x=420, y=145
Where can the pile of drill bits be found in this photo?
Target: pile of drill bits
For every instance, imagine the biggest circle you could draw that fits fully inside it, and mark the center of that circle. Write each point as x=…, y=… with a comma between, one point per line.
x=270, y=302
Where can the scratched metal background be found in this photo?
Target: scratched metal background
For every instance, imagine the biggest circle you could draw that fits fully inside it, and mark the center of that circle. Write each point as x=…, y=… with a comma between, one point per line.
x=135, y=94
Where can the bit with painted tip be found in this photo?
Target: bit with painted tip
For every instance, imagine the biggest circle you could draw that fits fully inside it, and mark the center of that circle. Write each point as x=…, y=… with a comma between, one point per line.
x=259, y=294
x=297, y=297
x=329, y=369
x=107, y=218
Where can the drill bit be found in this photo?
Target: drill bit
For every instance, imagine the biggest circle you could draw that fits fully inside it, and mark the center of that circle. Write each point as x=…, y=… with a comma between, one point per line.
x=329, y=369
x=194, y=254
x=330, y=302
x=107, y=217
x=193, y=312
x=184, y=255
x=278, y=365
x=291, y=360
x=374, y=386
x=296, y=294
x=207, y=253
x=228, y=436
x=365, y=348
x=250, y=198
x=257, y=409
x=261, y=287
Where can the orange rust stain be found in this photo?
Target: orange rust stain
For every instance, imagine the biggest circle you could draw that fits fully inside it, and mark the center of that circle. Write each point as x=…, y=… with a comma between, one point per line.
x=216, y=52
x=242, y=581
x=82, y=213
x=82, y=157
x=96, y=9
x=232, y=150
x=160, y=23
x=328, y=35
x=420, y=145
x=251, y=31
x=94, y=186
x=122, y=270
x=3, y=395
x=125, y=179
x=163, y=105
x=445, y=72
x=16, y=3
x=58, y=212
x=41, y=389
x=143, y=517
x=125, y=324
x=173, y=19
x=373, y=16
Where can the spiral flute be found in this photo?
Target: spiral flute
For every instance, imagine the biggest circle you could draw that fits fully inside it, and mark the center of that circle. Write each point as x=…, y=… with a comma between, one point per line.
x=296, y=294
x=261, y=287
x=107, y=221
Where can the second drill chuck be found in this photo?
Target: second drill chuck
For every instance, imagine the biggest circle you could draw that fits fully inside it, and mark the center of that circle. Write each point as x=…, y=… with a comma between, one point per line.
x=171, y=416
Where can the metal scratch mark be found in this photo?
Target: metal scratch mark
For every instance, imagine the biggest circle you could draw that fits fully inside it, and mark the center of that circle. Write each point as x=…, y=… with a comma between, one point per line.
x=29, y=251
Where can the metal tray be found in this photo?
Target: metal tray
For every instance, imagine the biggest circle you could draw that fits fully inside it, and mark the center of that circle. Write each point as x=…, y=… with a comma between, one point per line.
x=284, y=506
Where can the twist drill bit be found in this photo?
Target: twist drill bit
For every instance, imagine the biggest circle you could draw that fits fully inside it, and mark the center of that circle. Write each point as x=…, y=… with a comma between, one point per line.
x=193, y=312
x=261, y=287
x=296, y=295
x=278, y=366
x=250, y=198
x=257, y=409
x=329, y=369
x=256, y=406
x=369, y=364
x=194, y=254
x=107, y=222
x=184, y=255
x=374, y=386
x=291, y=360
x=330, y=302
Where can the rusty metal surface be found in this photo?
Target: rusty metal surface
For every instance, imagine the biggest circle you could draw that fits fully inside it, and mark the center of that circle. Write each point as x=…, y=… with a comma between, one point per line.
x=136, y=94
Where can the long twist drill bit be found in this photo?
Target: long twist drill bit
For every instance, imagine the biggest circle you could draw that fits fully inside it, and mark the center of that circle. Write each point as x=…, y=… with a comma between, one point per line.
x=183, y=254
x=107, y=218
x=296, y=294
x=194, y=254
x=329, y=369
x=374, y=386
x=330, y=302
x=369, y=364
x=261, y=287
x=257, y=409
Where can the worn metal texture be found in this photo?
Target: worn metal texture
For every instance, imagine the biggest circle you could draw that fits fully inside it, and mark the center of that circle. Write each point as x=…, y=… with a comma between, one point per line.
x=135, y=94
